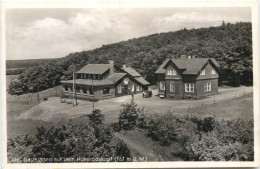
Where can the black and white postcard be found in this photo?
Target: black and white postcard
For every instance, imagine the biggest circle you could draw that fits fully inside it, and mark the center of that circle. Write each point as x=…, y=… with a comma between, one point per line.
x=129, y=84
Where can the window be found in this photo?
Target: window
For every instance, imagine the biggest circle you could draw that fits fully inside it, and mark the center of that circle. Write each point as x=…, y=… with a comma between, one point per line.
x=138, y=88
x=171, y=72
x=207, y=87
x=203, y=72
x=162, y=85
x=189, y=87
x=119, y=89
x=84, y=90
x=91, y=92
x=106, y=90
x=71, y=88
x=133, y=88
x=77, y=89
x=172, y=86
x=213, y=71
x=66, y=88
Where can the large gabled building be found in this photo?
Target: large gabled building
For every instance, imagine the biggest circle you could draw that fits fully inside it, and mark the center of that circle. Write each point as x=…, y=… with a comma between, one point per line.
x=102, y=81
x=188, y=77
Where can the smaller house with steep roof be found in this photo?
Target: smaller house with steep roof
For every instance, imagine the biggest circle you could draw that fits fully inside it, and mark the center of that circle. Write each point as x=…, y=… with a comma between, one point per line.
x=102, y=81
x=188, y=77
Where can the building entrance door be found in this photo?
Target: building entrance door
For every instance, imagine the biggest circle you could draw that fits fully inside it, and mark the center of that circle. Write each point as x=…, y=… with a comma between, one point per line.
x=125, y=90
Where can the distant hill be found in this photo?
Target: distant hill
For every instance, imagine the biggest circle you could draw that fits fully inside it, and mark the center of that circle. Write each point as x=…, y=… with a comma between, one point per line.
x=229, y=44
x=16, y=67
x=24, y=63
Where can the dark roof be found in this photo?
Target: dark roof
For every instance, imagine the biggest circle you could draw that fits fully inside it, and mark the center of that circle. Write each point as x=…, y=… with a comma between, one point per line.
x=161, y=68
x=131, y=71
x=215, y=62
x=116, y=77
x=109, y=81
x=141, y=80
x=191, y=66
x=94, y=69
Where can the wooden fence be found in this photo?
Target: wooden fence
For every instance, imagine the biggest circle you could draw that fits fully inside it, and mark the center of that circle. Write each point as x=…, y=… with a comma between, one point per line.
x=35, y=97
x=214, y=100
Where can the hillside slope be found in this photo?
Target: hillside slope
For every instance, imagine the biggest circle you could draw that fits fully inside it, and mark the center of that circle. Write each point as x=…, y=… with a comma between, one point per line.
x=229, y=44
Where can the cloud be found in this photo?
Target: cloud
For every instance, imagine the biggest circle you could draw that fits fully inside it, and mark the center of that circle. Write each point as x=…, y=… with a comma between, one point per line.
x=53, y=35
x=194, y=20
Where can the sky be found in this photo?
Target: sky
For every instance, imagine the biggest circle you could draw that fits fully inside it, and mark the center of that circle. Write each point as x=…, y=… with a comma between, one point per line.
x=54, y=33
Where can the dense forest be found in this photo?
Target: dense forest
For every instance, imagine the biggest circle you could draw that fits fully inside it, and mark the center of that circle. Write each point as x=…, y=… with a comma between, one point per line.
x=230, y=44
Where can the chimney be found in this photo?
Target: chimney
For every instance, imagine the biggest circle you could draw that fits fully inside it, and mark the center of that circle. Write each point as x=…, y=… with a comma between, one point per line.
x=193, y=57
x=124, y=66
x=183, y=56
x=189, y=57
x=111, y=66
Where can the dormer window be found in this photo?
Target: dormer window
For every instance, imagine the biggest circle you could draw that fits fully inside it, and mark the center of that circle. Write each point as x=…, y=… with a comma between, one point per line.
x=171, y=72
x=203, y=72
x=213, y=71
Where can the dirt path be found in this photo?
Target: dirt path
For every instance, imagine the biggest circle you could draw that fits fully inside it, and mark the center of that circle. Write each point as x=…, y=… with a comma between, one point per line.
x=139, y=148
x=53, y=110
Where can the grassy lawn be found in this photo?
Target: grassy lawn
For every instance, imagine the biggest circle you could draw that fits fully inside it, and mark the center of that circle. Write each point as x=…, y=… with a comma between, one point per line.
x=241, y=107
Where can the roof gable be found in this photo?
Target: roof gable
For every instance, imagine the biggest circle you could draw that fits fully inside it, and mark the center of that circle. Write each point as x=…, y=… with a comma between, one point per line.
x=161, y=67
x=131, y=71
x=141, y=80
x=190, y=66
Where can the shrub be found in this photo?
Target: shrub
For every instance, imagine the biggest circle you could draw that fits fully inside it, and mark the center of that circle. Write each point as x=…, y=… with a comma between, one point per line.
x=163, y=128
x=204, y=125
x=228, y=141
x=129, y=115
x=122, y=150
x=69, y=141
x=204, y=139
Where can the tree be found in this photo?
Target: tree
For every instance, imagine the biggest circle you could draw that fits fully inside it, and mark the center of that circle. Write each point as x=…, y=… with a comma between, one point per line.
x=129, y=115
x=96, y=117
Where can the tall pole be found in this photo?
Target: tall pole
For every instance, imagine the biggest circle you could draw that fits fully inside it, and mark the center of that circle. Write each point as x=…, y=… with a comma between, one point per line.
x=74, y=87
x=93, y=89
